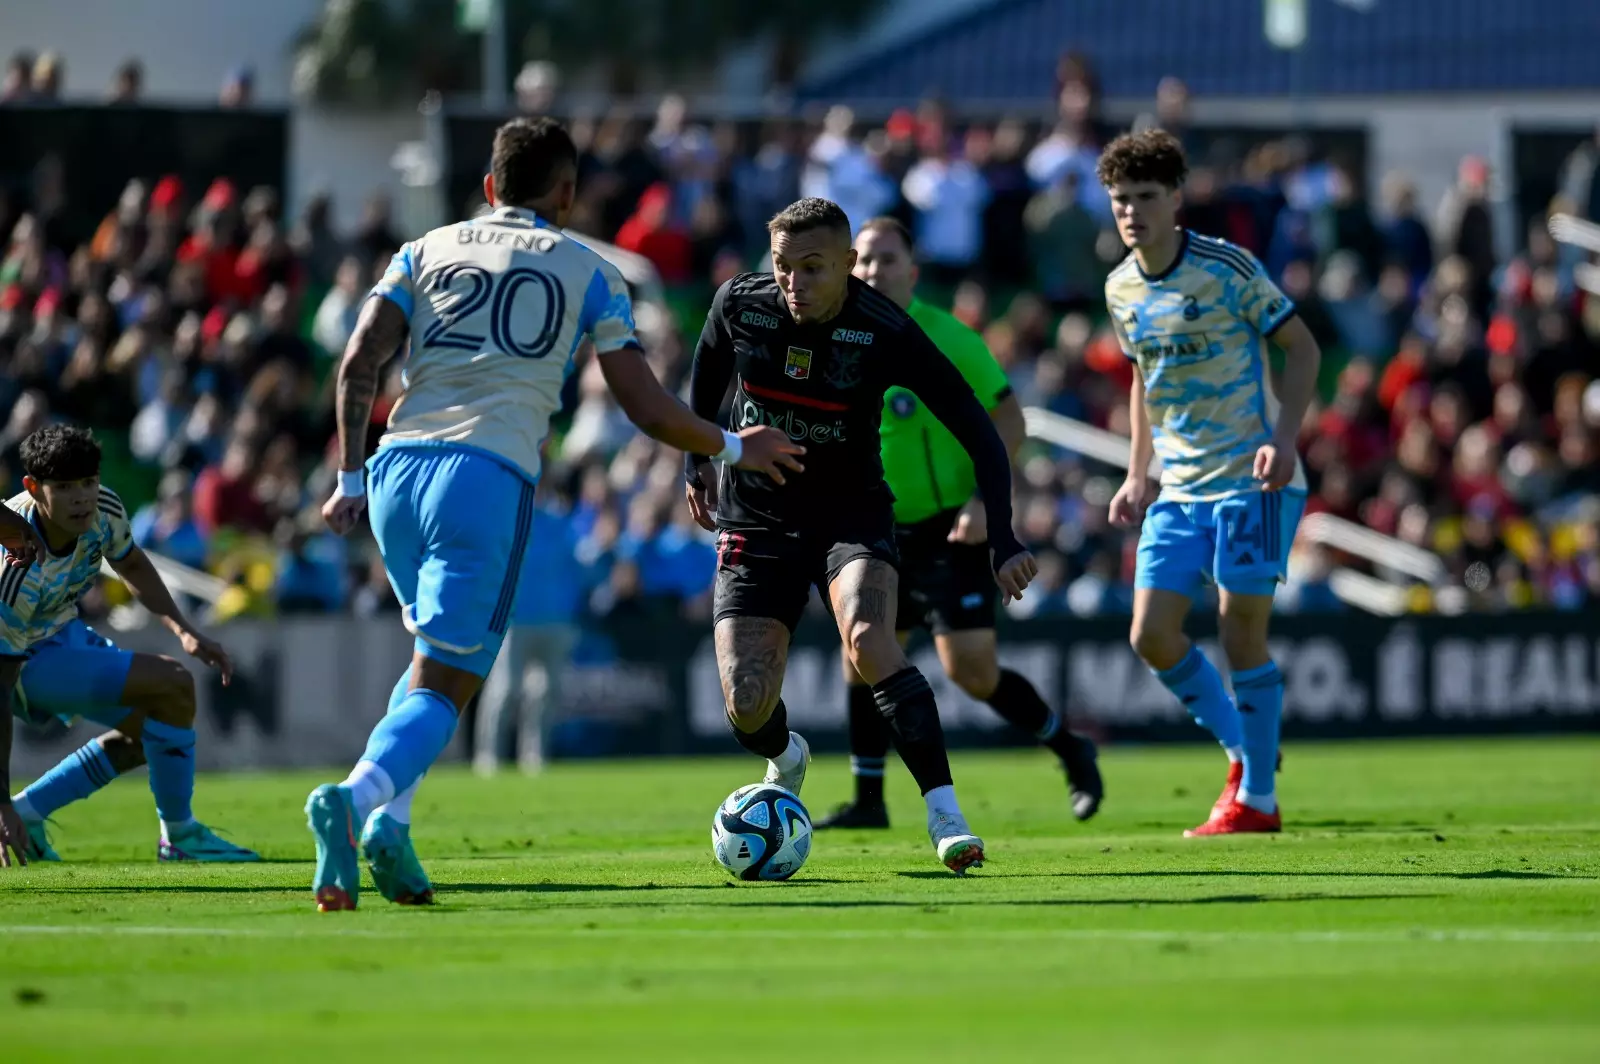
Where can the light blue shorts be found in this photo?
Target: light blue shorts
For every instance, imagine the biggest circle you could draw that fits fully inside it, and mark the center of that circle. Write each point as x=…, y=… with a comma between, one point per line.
x=452, y=524
x=1240, y=543
x=75, y=673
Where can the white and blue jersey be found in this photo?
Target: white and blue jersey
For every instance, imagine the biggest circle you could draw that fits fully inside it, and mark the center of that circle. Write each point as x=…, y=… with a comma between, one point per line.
x=71, y=670
x=498, y=308
x=1198, y=333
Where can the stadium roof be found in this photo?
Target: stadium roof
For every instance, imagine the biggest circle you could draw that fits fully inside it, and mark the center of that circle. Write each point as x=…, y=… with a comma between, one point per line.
x=1007, y=50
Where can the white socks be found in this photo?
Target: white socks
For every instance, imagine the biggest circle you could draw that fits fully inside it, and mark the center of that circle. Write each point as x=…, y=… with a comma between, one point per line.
x=170, y=828
x=399, y=810
x=1264, y=803
x=792, y=757
x=370, y=787
x=943, y=800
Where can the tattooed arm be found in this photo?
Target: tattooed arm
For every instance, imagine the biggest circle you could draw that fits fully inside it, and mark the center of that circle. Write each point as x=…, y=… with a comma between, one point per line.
x=379, y=332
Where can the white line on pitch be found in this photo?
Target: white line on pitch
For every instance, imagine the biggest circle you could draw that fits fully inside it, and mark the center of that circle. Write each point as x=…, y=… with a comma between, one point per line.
x=1397, y=935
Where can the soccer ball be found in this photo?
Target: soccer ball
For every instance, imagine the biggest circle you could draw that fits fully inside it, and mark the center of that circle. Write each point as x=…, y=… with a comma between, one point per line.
x=761, y=832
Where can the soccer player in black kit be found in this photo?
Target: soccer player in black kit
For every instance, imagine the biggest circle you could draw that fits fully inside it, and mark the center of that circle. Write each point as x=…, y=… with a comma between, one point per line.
x=811, y=350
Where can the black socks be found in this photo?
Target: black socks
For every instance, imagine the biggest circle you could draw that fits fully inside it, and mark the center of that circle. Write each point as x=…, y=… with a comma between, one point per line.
x=769, y=740
x=906, y=702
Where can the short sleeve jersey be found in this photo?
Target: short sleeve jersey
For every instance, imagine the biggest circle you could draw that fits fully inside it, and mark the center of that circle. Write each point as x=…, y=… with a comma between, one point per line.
x=39, y=601
x=1198, y=333
x=498, y=307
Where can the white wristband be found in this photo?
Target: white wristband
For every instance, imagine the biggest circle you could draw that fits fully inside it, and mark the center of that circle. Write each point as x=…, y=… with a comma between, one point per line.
x=351, y=483
x=732, y=449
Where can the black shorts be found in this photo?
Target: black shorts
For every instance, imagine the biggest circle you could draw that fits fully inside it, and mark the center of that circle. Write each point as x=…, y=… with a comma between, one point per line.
x=765, y=572
x=946, y=587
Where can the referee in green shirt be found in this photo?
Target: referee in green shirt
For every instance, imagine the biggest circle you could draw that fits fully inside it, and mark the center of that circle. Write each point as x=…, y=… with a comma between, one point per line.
x=946, y=583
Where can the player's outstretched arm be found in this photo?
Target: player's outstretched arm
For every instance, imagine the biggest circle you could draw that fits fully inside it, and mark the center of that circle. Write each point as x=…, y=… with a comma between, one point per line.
x=660, y=415
x=137, y=571
x=380, y=330
x=924, y=370
x=1133, y=498
x=1302, y=358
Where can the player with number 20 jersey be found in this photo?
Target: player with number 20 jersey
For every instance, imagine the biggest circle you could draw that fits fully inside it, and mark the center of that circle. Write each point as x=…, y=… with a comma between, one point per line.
x=496, y=309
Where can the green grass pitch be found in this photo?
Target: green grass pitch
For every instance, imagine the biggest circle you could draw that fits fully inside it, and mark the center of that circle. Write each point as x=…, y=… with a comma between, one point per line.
x=1429, y=901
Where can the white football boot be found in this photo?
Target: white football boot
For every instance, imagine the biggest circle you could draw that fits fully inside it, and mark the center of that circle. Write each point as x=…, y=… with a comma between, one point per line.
x=795, y=778
x=955, y=843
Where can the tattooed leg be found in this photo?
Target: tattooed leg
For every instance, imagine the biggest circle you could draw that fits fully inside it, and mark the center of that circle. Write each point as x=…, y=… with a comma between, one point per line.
x=864, y=597
x=751, y=654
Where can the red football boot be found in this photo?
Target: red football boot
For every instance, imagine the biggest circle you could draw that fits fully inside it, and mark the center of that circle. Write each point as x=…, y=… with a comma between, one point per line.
x=1238, y=819
x=1230, y=790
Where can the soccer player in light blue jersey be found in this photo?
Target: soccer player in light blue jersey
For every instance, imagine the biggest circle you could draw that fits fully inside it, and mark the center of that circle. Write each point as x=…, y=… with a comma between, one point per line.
x=1195, y=316
x=495, y=309
x=68, y=670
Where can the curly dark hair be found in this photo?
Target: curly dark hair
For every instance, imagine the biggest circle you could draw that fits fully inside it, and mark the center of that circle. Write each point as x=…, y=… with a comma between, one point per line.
x=1149, y=155
x=802, y=216
x=61, y=452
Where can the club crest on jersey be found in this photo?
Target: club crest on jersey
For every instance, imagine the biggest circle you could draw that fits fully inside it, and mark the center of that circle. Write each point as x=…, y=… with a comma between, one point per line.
x=798, y=364
x=844, y=368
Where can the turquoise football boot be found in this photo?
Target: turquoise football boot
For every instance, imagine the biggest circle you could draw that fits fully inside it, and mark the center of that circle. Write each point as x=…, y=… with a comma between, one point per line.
x=398, y=875
x=39, y=848
x=330, y=814
x=199, y=843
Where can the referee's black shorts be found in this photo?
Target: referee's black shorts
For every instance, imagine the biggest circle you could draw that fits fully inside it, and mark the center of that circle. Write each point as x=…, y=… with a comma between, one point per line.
x=945, y=587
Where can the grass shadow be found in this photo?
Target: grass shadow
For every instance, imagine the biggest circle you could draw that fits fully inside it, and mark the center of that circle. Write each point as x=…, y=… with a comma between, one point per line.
x=936, y=905
x=1163, y=873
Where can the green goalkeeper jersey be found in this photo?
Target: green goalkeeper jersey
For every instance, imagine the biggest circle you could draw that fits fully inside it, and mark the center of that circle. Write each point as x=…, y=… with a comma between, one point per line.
x=926, y=468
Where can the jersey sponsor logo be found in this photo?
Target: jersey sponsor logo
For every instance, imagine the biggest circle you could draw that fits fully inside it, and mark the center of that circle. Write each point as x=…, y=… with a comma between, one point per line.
x=1275, y=308
x=1191, y=309
x=798, y=364
x=797, y=428
x=903, y=404
x=852, y=336
x=1131, y=318
x=755, y=317
x=844, y=368
x=1178, y=348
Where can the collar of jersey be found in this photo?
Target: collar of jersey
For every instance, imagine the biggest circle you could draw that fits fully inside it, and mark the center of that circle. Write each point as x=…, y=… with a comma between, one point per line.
x=506, y=214
x=1177, y=260
x=71, y=548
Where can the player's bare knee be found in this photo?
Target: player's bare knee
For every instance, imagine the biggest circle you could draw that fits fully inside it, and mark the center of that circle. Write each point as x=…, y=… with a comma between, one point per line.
x=977, y=675
x=873, y=651
x=1158, y=647
x=750, y=700
x=1244, y=643
x=122, y=747
x=169, y=697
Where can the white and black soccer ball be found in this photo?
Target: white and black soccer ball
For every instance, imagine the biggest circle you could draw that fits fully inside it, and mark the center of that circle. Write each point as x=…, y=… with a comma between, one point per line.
x=761, y=832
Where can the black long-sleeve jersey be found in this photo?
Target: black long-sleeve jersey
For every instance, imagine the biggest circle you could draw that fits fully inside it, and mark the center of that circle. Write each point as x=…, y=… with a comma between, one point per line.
x=823, y=384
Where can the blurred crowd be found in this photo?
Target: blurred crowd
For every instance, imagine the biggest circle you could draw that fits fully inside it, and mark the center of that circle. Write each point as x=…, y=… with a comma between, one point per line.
x=199, y=327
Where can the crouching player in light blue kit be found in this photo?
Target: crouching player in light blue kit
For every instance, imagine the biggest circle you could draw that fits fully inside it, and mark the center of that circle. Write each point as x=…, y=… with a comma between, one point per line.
x=1195, y=315
x=68, y=670
x=496, y=309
